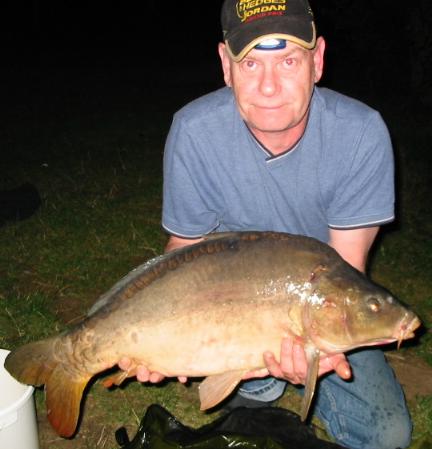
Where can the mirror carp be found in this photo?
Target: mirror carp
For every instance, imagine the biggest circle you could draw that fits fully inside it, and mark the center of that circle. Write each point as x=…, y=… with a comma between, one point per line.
x=211, y=310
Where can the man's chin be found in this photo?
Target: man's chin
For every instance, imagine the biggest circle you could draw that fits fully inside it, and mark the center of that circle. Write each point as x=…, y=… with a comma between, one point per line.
x=267, y=128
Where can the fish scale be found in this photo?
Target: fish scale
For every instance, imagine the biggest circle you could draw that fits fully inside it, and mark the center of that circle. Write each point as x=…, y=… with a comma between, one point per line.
x=211, y=310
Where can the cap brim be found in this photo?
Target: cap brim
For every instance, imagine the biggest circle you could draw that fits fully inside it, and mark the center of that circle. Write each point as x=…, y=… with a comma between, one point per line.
x=242, y=42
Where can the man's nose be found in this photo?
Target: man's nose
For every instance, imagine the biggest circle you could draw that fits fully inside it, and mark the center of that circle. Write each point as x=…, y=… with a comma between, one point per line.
x=269, y=83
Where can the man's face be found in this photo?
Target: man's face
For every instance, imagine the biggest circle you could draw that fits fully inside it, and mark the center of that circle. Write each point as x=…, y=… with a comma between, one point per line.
x=273, y=87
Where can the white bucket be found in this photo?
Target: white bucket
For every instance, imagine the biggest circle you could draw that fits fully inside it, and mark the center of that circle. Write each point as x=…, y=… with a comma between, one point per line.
x=18, y=428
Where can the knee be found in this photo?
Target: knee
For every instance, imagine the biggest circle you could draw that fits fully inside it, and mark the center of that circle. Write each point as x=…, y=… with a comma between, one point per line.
x=267, y=390
x=392, y=432
x=378, y=430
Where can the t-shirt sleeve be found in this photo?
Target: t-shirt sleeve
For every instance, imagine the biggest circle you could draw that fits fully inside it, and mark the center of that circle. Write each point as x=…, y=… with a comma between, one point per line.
x=187, y=192
x=365, y=189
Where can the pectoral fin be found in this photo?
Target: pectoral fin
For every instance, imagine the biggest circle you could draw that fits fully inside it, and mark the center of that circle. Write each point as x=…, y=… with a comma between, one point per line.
x=214, y=389
x=313, y=358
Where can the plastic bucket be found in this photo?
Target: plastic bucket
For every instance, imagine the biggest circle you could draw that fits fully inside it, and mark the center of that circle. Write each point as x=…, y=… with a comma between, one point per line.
x=18, y=428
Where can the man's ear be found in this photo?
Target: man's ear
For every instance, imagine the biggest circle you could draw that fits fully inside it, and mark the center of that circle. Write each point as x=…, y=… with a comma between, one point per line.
x=226, y=63
x=318, y=58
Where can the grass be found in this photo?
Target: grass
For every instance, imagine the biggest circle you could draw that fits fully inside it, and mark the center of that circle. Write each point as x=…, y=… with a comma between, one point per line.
x=92, y=144
x=403, y=259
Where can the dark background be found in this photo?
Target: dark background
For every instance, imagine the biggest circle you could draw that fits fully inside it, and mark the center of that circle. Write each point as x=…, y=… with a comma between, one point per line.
x=120, y=67
x=379, y=45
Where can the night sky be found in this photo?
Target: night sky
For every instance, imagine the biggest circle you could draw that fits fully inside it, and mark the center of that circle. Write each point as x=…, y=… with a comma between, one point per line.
x=130, y=30
x=383, y=46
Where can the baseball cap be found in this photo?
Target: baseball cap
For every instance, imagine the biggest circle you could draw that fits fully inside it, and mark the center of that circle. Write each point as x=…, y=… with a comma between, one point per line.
x=246, y=23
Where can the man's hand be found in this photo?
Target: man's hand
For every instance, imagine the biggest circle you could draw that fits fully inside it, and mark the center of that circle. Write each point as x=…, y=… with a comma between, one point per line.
x=143, y=374
x=293, y=364
x=292, y=367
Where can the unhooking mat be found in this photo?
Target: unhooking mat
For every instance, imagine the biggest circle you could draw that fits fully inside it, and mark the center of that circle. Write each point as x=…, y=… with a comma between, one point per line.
x=242, y=428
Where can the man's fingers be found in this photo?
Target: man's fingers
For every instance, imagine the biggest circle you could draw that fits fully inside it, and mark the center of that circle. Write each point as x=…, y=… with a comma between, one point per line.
x=291, y=367
x=155, y=377
x=337, y=363
x=272, y=365
x=299, y=363
x=263, y=372
x=124, y=363
x=286, y=359
x=142, y=374
x=343, y=369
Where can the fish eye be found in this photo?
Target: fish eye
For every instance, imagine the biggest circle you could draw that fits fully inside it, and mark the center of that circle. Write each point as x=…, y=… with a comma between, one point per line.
x=373, y=304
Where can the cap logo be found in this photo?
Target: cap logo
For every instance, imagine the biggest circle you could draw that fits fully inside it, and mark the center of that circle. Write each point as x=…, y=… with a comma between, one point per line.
x=248, y=10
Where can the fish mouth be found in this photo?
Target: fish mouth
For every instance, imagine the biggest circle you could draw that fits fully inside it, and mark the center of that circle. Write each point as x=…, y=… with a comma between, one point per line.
x=406, y=328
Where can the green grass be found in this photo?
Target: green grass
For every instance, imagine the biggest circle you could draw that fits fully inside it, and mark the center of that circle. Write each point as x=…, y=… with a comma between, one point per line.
x=96, y=160
x=403, y=258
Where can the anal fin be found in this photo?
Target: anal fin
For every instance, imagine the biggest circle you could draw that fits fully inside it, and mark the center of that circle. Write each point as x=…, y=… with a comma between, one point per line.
x=118, y=378
x=313, y=359
x=214, y=389
x=63, y=398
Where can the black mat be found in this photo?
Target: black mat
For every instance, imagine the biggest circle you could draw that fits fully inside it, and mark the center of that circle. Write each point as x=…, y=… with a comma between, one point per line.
x=245, y=428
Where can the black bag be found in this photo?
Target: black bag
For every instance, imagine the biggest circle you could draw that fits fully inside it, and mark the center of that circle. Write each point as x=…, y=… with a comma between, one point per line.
x=245, y=428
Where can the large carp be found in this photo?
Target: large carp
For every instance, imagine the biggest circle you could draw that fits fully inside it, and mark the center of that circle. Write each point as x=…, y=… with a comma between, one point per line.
x=211, y=310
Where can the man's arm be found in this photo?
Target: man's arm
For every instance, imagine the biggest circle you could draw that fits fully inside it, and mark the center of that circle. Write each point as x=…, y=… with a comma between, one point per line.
x=353, y=244
x=175, y=242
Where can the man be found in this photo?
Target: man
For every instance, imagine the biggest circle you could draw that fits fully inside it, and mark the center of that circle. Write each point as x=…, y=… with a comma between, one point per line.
x=271, y=151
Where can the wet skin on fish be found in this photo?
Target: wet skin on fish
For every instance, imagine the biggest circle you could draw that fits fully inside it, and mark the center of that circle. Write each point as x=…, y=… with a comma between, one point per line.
x=211, y=310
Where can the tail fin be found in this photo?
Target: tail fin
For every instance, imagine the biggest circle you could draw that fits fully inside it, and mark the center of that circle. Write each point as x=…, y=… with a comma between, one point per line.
x=36, y=364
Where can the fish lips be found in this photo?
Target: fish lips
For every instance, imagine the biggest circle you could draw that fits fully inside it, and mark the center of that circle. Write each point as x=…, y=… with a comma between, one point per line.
x=406, y=328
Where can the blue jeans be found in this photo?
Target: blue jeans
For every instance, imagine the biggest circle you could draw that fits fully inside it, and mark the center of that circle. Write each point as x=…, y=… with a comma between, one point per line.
x=368, y=412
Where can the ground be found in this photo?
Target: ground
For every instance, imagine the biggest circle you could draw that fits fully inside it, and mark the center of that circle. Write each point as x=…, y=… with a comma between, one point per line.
x=98, y=426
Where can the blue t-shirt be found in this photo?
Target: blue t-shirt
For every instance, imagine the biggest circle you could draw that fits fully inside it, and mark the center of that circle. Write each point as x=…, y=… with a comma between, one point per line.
x=217, y=176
